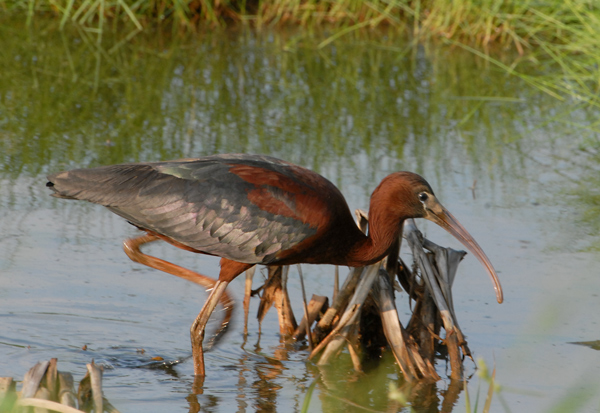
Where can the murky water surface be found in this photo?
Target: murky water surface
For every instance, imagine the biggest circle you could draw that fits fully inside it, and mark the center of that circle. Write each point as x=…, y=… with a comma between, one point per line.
x=353, y=112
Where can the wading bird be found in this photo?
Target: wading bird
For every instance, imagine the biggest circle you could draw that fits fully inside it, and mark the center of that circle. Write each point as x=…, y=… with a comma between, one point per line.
x=253, y=209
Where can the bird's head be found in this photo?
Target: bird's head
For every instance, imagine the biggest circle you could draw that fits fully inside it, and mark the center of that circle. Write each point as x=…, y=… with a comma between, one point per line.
x=412, y=197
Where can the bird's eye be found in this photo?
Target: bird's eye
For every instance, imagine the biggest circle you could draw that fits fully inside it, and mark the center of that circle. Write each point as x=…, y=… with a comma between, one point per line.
x=423, y=196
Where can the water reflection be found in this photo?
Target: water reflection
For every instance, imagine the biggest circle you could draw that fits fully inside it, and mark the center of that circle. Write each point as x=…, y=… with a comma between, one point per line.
x=239, y=92
x=338, y=387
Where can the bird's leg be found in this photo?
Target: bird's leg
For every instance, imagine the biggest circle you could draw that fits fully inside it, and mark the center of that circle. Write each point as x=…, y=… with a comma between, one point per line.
x=229, y=270
x=199, y=326
x=132, y=249
x=247, y=294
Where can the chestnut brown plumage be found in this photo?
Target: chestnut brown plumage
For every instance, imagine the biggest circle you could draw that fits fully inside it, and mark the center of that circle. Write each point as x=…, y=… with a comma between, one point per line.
x=253, y=209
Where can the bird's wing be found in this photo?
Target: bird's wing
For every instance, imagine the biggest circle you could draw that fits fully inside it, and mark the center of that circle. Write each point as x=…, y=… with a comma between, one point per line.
x=239, y=207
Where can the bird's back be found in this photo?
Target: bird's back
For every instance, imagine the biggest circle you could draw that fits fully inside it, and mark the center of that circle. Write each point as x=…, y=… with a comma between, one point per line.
x=247, y=208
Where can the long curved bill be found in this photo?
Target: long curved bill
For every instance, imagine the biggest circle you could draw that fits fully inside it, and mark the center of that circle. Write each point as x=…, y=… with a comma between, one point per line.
x=442, y=217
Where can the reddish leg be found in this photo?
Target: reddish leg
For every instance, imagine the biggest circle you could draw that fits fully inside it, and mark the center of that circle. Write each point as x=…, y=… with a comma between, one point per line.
x=132, y=249
x=229, y=270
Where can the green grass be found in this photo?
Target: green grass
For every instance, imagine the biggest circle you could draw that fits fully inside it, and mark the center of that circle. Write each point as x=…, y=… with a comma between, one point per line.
x=484, y=22
x=559, y=37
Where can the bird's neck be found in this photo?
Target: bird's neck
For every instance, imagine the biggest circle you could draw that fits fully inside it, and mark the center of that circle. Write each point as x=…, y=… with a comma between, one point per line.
x=383, y=233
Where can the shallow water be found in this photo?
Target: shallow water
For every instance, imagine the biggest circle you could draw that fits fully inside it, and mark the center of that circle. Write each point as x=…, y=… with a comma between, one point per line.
x=353, y=112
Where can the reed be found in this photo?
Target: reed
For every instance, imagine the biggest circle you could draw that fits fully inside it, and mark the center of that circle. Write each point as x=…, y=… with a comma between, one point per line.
x=559, y=37
x=518, y=23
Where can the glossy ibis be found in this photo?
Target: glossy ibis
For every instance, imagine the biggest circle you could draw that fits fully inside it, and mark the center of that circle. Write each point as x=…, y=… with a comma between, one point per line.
x=254, y=209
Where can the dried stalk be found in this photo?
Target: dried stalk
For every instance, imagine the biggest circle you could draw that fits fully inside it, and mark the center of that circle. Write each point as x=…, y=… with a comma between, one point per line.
x=65, y=390
x=96, y=383
x=335, y=339
x=33, y=378
x=275, y=294
x=305, y=308
x=317, y=304
x=438, y=272
x=403, y=347
x=341, y=299
x=52, y=379
x=47, y=389
x=438, y=280
x=336, y=283
x=47, y=404
x=42, y=394
x=338, y=305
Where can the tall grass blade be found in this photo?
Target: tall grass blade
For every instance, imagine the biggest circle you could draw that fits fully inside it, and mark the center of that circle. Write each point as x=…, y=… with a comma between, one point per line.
x=308, y=397
x=130, y=14
x=30, y=12
x=84, y=6
x=343, y=32
x=467, y=398
x=490, y=393
x=66, y=14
